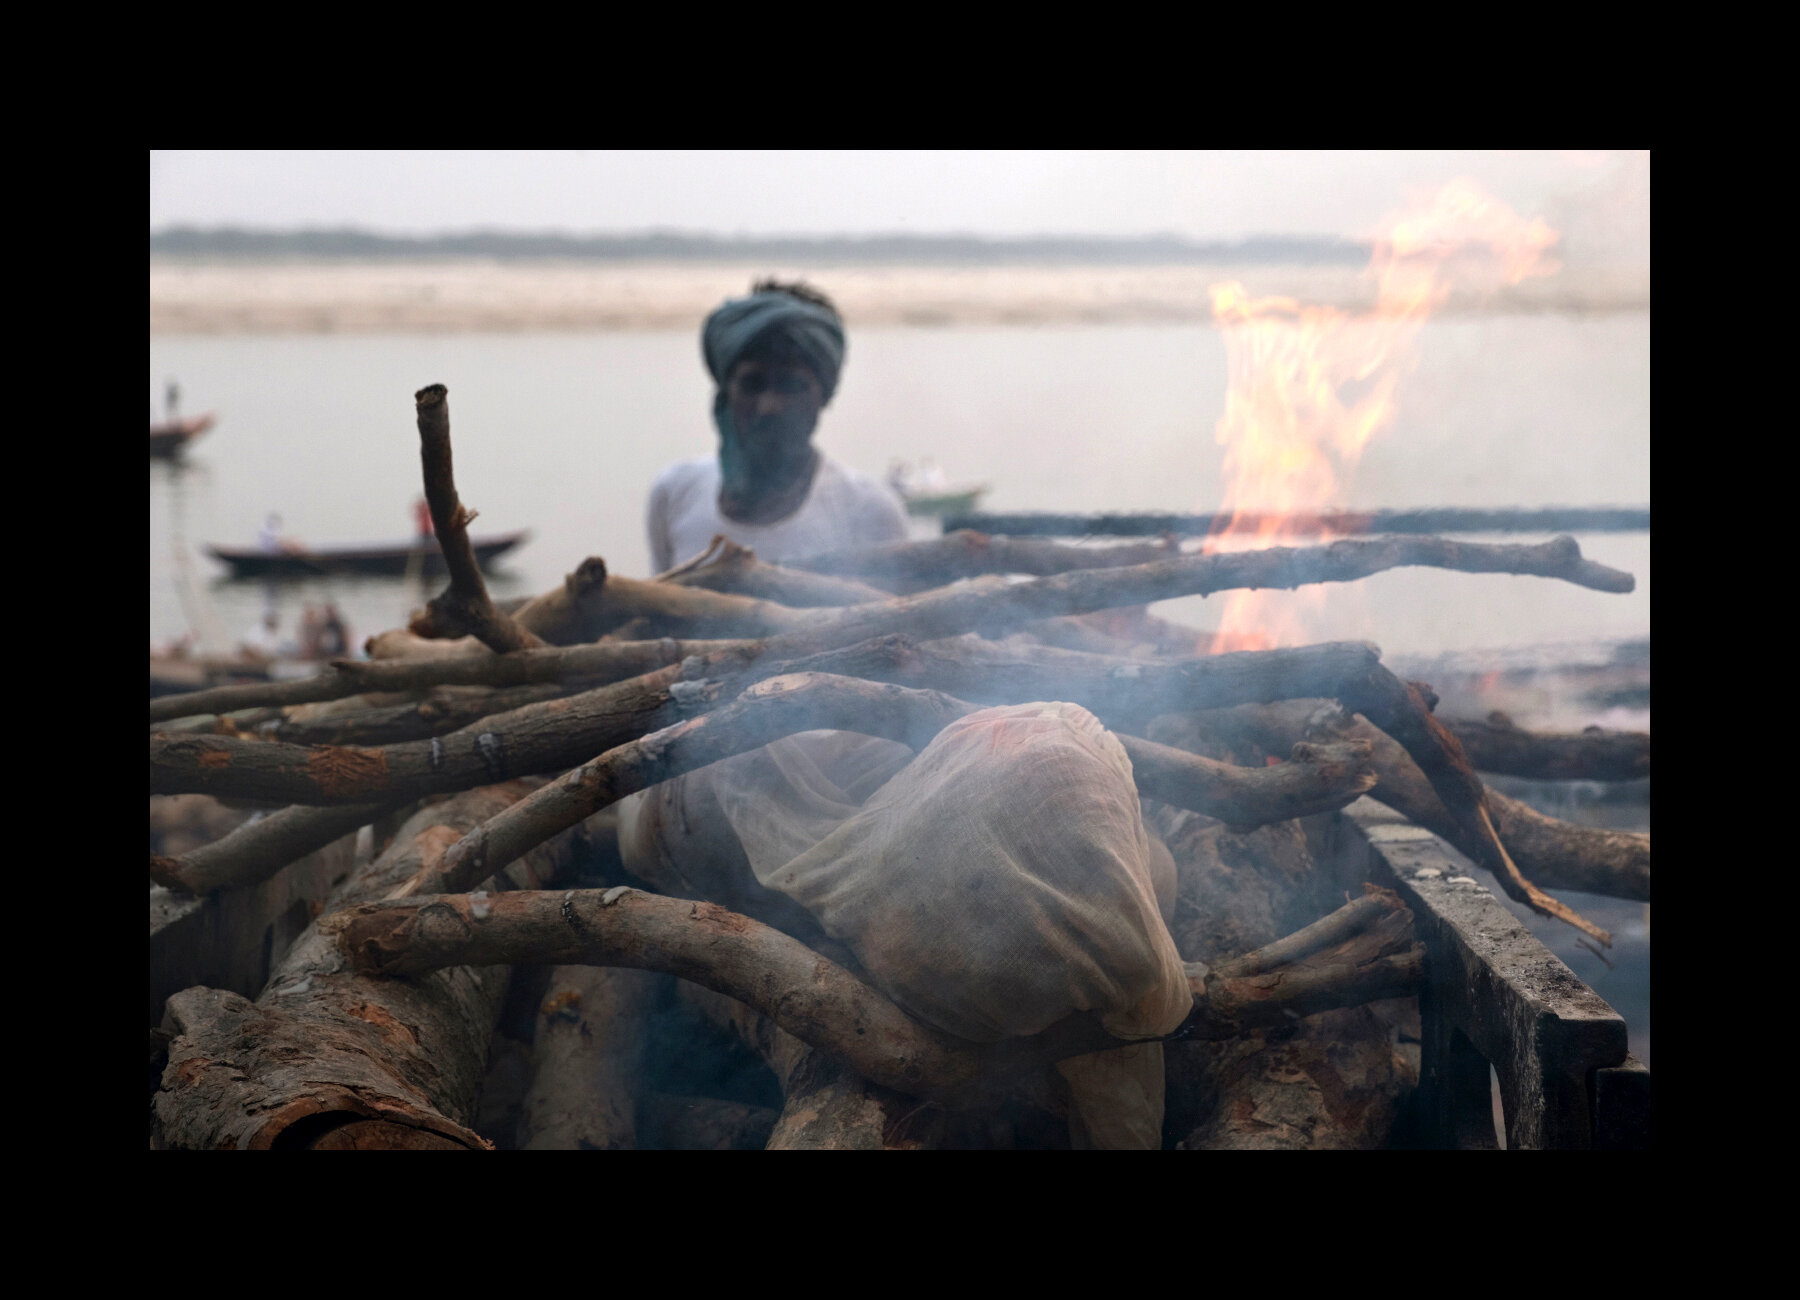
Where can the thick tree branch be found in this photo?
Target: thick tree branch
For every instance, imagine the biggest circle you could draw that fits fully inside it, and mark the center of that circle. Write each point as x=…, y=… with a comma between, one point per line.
x=914, y=566
x=1496, y=744
x=256, y=850
x=464, y=608
x=1556, y=853
x=811, y=998
x=724, y=566
x=613, y=662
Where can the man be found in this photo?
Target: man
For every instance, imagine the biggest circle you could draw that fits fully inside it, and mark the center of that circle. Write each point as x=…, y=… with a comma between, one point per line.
x=775, y=356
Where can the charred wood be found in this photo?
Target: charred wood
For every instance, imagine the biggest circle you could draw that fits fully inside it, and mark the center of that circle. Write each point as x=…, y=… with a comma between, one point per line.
x=1556, y=853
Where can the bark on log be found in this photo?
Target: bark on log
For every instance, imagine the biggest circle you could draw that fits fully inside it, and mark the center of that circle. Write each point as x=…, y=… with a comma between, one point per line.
x=257, y=850
x=1123, y=693
x=547, y=737
x=815, y=1000
x=914, y=566
x=463, y=609
x=1401, y=709
x=1316, y=778
x=1496, y=744
x=613, y=662
x=724, y=566
x=1555, y=853
x=593, y=602
x=443, y=709
x=589, y=1049
x=826, y=1106
x=992, y=605
x=325, y=1046
x=1283, y=566
x=1334, y=523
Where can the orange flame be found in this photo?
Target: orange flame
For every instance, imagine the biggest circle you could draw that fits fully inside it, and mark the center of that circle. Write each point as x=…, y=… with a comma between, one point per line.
x=1309, y=386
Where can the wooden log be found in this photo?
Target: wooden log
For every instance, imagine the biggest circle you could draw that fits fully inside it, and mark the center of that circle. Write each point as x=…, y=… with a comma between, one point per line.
x=1316, y=778
x=257, y=850
x=588, y=1052
x=231, y=939
x=323, y=1046
x=613, y=662
x=463, y=609
x=1556, y=853
x=442, y=709
x=593, y=602
x=1124, y=693
x=727, y=567
x=546, y=737
x=992, y=605
x=1497, y=744
x=1339, y=561
x=826, y=1106
x=813, y=999
x=1401, y=709
x=964, y=553
x=1334, y=523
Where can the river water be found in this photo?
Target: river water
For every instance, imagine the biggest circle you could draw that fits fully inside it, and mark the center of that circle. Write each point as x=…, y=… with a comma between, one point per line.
x=563, y=433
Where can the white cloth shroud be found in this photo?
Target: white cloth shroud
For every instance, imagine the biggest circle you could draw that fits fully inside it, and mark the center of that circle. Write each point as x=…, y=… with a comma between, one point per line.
x=995, y=883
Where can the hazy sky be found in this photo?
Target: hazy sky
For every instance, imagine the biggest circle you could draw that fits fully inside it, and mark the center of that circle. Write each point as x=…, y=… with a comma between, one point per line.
x=1205, y=194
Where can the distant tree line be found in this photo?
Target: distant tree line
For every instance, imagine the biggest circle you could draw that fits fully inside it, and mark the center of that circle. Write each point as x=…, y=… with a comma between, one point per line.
x=233, y=241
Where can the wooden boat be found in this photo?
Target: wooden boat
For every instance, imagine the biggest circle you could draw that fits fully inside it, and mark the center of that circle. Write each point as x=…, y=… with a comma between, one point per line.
x=169, y=438
x=381, y=561
x=951, y=501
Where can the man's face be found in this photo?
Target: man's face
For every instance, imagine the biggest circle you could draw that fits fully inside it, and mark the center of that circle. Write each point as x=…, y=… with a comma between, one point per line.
x=774, y=405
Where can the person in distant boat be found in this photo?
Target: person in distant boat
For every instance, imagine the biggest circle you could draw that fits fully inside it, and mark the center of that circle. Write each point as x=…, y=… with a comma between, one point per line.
x=775, y=357
x=270, y=540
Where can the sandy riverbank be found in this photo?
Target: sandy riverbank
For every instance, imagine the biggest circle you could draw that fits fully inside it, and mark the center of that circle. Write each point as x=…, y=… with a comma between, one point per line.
x=452, y=296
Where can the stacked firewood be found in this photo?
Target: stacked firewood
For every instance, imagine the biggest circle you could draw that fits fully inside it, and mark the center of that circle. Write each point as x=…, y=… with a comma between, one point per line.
x=486, y=747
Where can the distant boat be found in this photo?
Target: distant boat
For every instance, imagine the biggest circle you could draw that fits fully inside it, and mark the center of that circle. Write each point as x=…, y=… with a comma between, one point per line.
x=390, y=561
x=951, y=501
x=923, y=490
x=169, y=438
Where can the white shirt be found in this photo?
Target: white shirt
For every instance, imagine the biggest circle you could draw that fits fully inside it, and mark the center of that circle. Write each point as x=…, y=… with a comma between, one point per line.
x=842, y=509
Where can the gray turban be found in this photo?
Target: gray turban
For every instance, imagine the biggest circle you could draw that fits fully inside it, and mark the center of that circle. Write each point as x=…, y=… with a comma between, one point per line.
x=816, y=333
